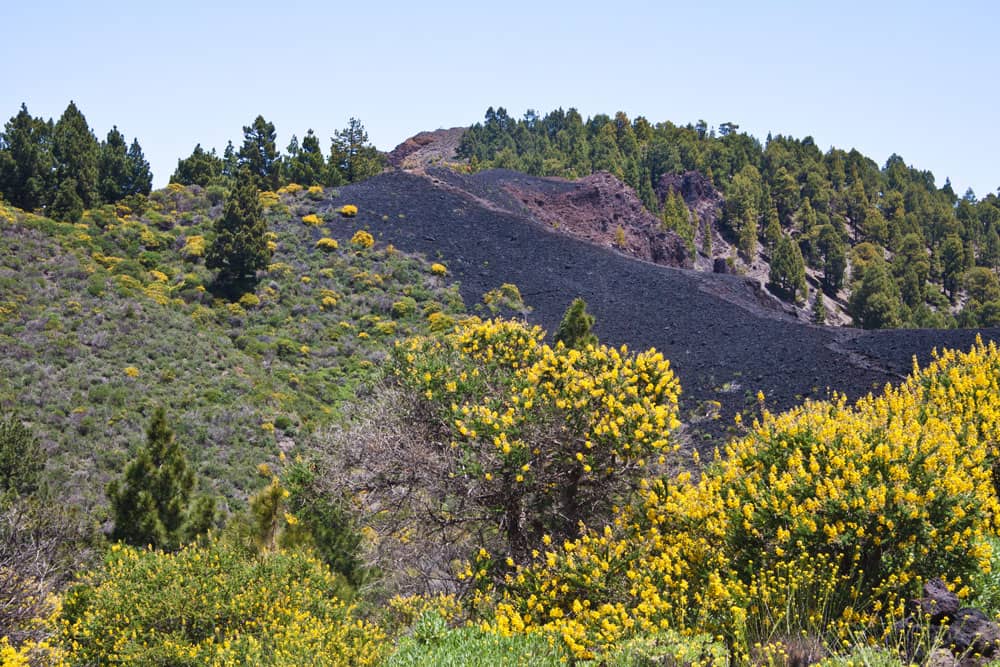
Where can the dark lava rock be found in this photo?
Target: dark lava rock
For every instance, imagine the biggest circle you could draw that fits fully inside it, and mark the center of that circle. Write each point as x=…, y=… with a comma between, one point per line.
x=602, y=210
x=968, y=635
x=715, y=330
x=938, y=603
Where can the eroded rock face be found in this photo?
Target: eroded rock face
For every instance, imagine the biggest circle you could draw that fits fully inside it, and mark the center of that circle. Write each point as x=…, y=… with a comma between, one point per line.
x=601, y=209
x=706, y=202
x=426, y=148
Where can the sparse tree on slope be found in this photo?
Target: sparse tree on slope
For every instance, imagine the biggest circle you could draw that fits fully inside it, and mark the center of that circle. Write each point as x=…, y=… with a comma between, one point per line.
x=305, y=164
x=259, y=153
x=26, y=165
x=154, y=503
x=67, y=206
x=239, y=249
x=200, y=168
x=113, y=167
x=21, y=459
x=139, y=179
x=76, y=150
x=875, y=303
x=352, y=157
x=788, y=272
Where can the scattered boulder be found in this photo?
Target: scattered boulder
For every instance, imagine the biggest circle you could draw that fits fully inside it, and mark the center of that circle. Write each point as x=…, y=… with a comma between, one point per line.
x=967, y=636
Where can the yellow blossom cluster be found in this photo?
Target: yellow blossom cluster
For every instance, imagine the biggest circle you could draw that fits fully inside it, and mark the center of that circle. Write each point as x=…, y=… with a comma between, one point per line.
x=821, y=520
x=348, y=210
x=439, y=269
x=327, y=244
x=213, y=606
x=548, y=431
x=362, y=239
x=312, y=219
x=194, y=246
x=290, y=189
x=267, y=198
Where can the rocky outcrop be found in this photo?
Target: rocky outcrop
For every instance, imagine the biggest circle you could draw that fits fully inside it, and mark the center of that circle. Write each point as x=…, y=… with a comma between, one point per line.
x=701, y=197
x=967, y=636
x=601, y=209
x=427, y=148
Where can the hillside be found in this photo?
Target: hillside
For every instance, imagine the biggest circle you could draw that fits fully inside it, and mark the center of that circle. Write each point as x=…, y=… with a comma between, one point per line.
x=803, y=220
x=724, y=337
x=104, y=319
x=481, y=449
x=122, y=291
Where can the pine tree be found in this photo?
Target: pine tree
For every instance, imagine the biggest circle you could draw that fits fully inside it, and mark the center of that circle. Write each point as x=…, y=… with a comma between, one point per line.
x=260, y=155
x=21, y=458
x=819, y=309
x=239, y=249
x=26, y=161
x=575, y=329
x=140, y=176
x=200, y=168
x=113, y=167
x=352, y=157
x=952, y=264
x=304, y=164
x=772, y=228
x=831, y=246
x=76, y=150
x=67, y=205
x=154, y=502
x=875, y=303
x=788, y=272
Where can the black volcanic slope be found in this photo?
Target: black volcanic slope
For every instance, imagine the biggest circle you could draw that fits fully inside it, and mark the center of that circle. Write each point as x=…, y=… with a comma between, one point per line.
x=724, y=342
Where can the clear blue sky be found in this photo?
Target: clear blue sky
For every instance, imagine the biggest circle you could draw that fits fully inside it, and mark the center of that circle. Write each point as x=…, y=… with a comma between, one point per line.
x=915, y=78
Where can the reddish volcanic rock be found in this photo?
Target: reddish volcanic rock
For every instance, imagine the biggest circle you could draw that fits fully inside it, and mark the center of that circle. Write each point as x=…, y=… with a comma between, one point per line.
x=595, y=208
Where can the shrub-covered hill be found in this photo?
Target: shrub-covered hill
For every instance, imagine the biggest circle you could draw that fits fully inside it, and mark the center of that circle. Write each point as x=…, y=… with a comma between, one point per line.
x=103, y=320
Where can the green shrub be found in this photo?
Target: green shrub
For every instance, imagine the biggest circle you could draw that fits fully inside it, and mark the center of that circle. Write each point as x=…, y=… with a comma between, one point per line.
x=21, y=458
x=433, y=644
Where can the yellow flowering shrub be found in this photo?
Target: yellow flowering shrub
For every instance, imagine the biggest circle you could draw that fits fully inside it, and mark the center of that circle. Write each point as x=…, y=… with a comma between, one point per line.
x=150, y=239
x=822, y=519
x=362, y=239
x=31, y=654
x=290, y=189
x=312, y=219
x=348, y=210
x=546, y=436
x=131, y=371
x=158, y=292
x=315, y=191
x=267, y=198
x=194, y=246
x=439, y=269
x=327, y=244
x=214, y=605
x=249, y=300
